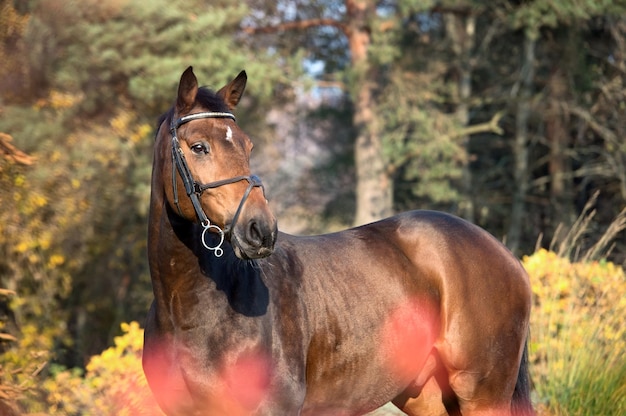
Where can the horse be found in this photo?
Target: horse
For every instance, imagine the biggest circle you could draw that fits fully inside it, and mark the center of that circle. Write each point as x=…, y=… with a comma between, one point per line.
x=422, y=309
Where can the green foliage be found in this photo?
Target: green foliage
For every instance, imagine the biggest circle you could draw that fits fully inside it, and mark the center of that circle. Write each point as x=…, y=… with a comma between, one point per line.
x=424, y=152
x=133, y=51
x=578, y=337
x=407, y=7
x=419, y=140
x=534, y=15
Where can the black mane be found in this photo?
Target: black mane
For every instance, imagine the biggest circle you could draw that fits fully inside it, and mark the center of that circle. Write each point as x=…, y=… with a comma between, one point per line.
x=206, y=98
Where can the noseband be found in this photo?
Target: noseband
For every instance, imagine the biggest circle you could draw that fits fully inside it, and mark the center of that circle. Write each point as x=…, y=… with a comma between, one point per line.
x=194, y=189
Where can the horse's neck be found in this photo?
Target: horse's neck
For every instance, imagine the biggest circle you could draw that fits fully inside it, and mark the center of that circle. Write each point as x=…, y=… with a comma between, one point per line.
x=182, y=266
x=163, y=251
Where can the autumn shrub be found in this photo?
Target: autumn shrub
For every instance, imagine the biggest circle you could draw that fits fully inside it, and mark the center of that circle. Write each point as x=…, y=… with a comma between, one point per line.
x=113, y=382
x=578, y=337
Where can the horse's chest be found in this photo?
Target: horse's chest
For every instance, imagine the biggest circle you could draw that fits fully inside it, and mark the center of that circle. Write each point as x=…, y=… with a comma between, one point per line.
x=215, y=372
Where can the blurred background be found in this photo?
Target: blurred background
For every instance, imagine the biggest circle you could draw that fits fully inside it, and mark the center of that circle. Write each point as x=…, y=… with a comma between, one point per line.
x=511, y=114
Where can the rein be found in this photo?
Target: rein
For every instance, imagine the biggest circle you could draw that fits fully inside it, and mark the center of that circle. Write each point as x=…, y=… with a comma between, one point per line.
x=195, y=189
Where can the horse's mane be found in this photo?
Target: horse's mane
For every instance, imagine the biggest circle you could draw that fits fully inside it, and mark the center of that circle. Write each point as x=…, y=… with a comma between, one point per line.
x=206, y=98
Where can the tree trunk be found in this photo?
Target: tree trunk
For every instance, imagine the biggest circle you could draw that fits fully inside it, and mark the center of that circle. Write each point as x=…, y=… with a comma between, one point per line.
x=461, y=30
x=374, y=192
x=520, y=144
x=557, y=135
x=374, y=187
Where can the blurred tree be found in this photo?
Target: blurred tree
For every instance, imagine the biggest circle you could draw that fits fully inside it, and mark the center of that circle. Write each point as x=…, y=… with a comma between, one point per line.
x=352, y=20
x=13, y=382
x=73, y=228
x=13, y=77
x=554, y=69
x=433, y=161
x=526, y=71
x=131, y=53
x=400, y=103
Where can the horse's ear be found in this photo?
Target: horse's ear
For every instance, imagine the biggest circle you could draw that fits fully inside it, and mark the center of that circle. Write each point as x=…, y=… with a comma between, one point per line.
x=232, y=92
x=187, y=91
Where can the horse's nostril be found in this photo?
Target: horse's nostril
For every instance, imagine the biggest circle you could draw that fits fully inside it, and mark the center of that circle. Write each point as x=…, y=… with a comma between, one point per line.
x=259, y=238
x=254, y=234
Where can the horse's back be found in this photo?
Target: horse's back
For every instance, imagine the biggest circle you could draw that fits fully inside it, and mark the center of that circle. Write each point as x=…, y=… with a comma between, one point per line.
x=463, y=268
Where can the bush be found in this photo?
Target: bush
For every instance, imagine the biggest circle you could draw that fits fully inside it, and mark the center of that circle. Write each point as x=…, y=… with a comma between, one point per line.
x=578, y=338
x=113, y=383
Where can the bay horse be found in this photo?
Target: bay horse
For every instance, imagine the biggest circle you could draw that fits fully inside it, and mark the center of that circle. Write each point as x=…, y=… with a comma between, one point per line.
x=422, y=309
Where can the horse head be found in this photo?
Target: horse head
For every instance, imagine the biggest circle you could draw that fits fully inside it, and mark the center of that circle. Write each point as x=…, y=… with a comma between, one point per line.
x=208, y=160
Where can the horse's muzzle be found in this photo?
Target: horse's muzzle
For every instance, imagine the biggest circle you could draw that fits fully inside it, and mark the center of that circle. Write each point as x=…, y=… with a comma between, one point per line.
x=255, y=238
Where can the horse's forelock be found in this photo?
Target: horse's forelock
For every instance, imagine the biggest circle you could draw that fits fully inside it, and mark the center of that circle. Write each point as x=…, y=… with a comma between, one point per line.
x=211, y=101
x=206, y=98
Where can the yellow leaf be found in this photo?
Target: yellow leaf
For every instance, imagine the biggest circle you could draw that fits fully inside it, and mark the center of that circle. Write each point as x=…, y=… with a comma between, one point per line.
x=56, y=260
x=19, y=180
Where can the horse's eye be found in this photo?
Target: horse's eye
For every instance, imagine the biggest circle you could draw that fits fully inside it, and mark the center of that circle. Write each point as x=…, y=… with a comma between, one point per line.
x=200, y=148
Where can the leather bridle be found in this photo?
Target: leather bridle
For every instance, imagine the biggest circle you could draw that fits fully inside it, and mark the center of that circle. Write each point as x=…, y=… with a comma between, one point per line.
x=195, y=189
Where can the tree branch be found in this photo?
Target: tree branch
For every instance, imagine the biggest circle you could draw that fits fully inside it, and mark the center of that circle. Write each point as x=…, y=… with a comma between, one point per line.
x=12, y=153
x=296, y=25
x=308, y=23
x=491, y=126
x=602, y=131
